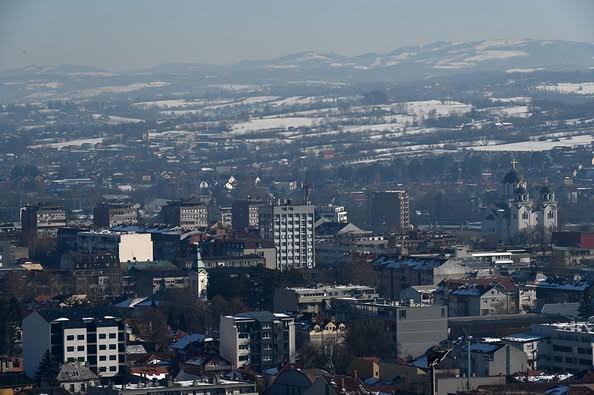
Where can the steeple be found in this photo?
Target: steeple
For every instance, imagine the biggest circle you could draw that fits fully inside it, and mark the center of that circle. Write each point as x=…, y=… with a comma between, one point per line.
x=199, y=275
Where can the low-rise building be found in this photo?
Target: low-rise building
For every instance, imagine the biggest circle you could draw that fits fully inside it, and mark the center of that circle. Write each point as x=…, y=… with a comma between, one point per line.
x=211, y=386
x=313, y=300
x=126, y=246
x=408, y=329
x=567, y=347
x=528, y=343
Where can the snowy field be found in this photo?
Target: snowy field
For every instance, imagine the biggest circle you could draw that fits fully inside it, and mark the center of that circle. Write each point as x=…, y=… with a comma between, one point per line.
x=119, y=89
x=538, y=145
x=272, y=123
x=71, y=143
x=584, y=88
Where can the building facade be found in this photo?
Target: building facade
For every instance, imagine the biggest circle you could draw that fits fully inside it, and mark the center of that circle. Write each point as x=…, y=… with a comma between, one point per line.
x=245, y=214
x=313, y=300
x=108, y=214
x=91, y=337
x=292, y=230
x=332, y=213
x=389, y=210
x=408, y=329
x=126, y=246
x=188, y=214
x=261, y=340
x=42, y=221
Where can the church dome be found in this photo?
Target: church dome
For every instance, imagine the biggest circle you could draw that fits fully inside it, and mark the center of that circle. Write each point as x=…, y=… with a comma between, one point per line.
x=513, y=177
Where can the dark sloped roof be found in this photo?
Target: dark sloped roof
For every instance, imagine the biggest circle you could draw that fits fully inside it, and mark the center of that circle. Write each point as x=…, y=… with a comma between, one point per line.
x=512, y=177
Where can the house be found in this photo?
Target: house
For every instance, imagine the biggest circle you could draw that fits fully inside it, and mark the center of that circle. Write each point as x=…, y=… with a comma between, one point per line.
x=314, y=300
x=76, y=378
x=487, y=358
x=419, y=294
x=191, y=345
x=327, y=332
x=365, y=367
x=482, y=299
x=562, y=291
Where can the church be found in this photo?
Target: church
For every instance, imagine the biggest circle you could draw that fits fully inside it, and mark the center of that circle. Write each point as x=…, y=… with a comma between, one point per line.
x=518, y=218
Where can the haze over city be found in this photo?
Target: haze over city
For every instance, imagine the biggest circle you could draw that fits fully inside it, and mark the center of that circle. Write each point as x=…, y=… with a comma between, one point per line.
x=311, y=197
x=134, y=35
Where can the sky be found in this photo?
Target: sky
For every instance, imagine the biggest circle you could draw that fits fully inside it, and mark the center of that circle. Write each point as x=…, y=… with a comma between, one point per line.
x=135, y=34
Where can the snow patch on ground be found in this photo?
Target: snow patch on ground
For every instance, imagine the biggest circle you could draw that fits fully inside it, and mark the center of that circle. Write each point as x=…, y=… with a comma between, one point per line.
x=584, y=88
x=538, y=145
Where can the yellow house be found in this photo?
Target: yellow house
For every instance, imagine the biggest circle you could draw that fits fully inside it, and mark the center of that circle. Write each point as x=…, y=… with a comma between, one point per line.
x=327, y=332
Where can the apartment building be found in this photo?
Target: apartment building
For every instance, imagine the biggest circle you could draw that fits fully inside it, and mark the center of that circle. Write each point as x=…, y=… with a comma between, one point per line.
x=188, y=214
x=245, y=214
x=125, y=246
x=260, y=339
x=89, y=336
x=109, y=214
x=42, y=221
x=291, y=228
x=332, y=213
x=389, y=210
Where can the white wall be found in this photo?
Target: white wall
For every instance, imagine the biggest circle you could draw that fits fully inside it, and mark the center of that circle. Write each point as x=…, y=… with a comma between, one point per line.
x=135, y=246
x=229, y=340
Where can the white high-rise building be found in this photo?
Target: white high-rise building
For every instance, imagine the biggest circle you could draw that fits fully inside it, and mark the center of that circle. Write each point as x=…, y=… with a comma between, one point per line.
x=85, y=336
x=292, y=230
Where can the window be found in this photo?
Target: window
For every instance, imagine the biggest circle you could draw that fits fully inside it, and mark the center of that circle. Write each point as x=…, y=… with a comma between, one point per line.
x=70, y=348
x=102, y=347
x=102, y=358
x=402, y=314
x=113, y=368
x=81, y=359
x=102, y=336
x=443, y=312
x=112, y=346
x=102, y=369
x=113, y=357
x=80, y=348
x=112, y=335
x=70, y=337
x=80, y=337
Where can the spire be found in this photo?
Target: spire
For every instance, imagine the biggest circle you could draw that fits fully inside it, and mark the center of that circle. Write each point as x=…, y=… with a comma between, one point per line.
x=198, y=264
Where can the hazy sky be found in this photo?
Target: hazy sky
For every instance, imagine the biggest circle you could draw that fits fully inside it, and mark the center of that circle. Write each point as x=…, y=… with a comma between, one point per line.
x=118, y=34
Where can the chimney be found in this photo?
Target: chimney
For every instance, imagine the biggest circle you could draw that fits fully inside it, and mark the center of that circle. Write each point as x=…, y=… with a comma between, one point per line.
x=355, y=374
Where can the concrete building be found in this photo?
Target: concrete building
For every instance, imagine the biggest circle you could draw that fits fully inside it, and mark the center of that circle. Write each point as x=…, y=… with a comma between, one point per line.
x=126, y=246
x=7, y=254
x=109, y=214
x=394, y=274
x=42, y=221
x=313, y=300
x=482, y=296
x=517, y=217
x=246, y=214
x=195, y=387
x=409, y=330
x=389, y=210
x=332, y=213
x=529, y=344
x=97, y=276
x=292, y=230
x=92, y=337
x=487, y=359
x=226, y=216
x=259, y=339
x=567, y=346
x=188, y=214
